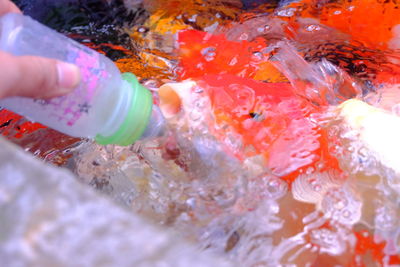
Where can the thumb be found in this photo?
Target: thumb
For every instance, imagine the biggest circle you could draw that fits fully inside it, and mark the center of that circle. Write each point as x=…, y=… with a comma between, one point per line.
x=36, y=77
x=7, y=6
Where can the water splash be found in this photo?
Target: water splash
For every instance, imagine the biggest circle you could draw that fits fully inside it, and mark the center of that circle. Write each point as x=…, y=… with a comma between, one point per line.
x=260, y=172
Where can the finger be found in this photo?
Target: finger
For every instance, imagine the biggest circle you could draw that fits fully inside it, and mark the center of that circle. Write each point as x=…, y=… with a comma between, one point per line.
x=36, y=77
x=7, y=6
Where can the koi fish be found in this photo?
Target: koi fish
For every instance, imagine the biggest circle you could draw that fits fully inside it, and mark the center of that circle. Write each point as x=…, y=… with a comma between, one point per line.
x=279, y=120
x=270, y=119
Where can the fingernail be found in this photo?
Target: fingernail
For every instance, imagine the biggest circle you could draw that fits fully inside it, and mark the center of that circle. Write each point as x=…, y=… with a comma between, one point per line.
x=69, y=75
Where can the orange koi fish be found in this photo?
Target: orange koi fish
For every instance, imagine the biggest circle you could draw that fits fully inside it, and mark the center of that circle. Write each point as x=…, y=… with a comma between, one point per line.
x=270, y=119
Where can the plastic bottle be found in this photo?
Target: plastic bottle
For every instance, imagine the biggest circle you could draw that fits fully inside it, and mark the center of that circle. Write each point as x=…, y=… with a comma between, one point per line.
x=107, y=106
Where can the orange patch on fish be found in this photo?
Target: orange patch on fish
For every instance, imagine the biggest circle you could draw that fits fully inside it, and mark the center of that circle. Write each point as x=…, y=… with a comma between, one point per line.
x=201, y=53
x=269, y=119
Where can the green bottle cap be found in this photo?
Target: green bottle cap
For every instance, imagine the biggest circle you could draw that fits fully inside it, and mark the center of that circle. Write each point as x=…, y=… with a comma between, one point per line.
x=136, y=120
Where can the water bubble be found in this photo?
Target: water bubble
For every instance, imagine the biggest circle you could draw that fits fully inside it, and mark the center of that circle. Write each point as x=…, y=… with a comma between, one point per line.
x=313, y=27
x=363, y=154
x=314, y=249
x=198, y=89
x=152, y=85
x=142, y=29
x=257, y=56
x=288, y=12
x=310, y=170
x=346, y=214
x=317, y=187
x=244, y=36
x=226, y=198
x=320, y=165
x=341, y=205
x=195, y=115
x=233, y=140
x=328, y=241
x=263, y=29
x=268, y=186
x=193, y=18
x=386, y=218
x=209, y=53
x=199, y=104
x=276, y=188
x=233, y=61
x=308, y=246
x=337, y=12
x=244, y=98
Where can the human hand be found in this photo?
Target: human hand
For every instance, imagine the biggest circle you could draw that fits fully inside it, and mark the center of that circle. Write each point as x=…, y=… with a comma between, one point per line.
x=31, y=76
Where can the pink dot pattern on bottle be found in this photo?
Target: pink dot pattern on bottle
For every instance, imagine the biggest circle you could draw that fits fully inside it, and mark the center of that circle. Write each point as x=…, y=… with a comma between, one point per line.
x=72, y=107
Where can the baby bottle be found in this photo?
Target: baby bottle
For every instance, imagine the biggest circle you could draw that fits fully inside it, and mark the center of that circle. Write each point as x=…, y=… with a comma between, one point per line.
x=107, y=106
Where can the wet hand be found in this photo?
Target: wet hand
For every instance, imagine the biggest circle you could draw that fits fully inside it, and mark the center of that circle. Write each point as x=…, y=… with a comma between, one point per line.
x=31, y=76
